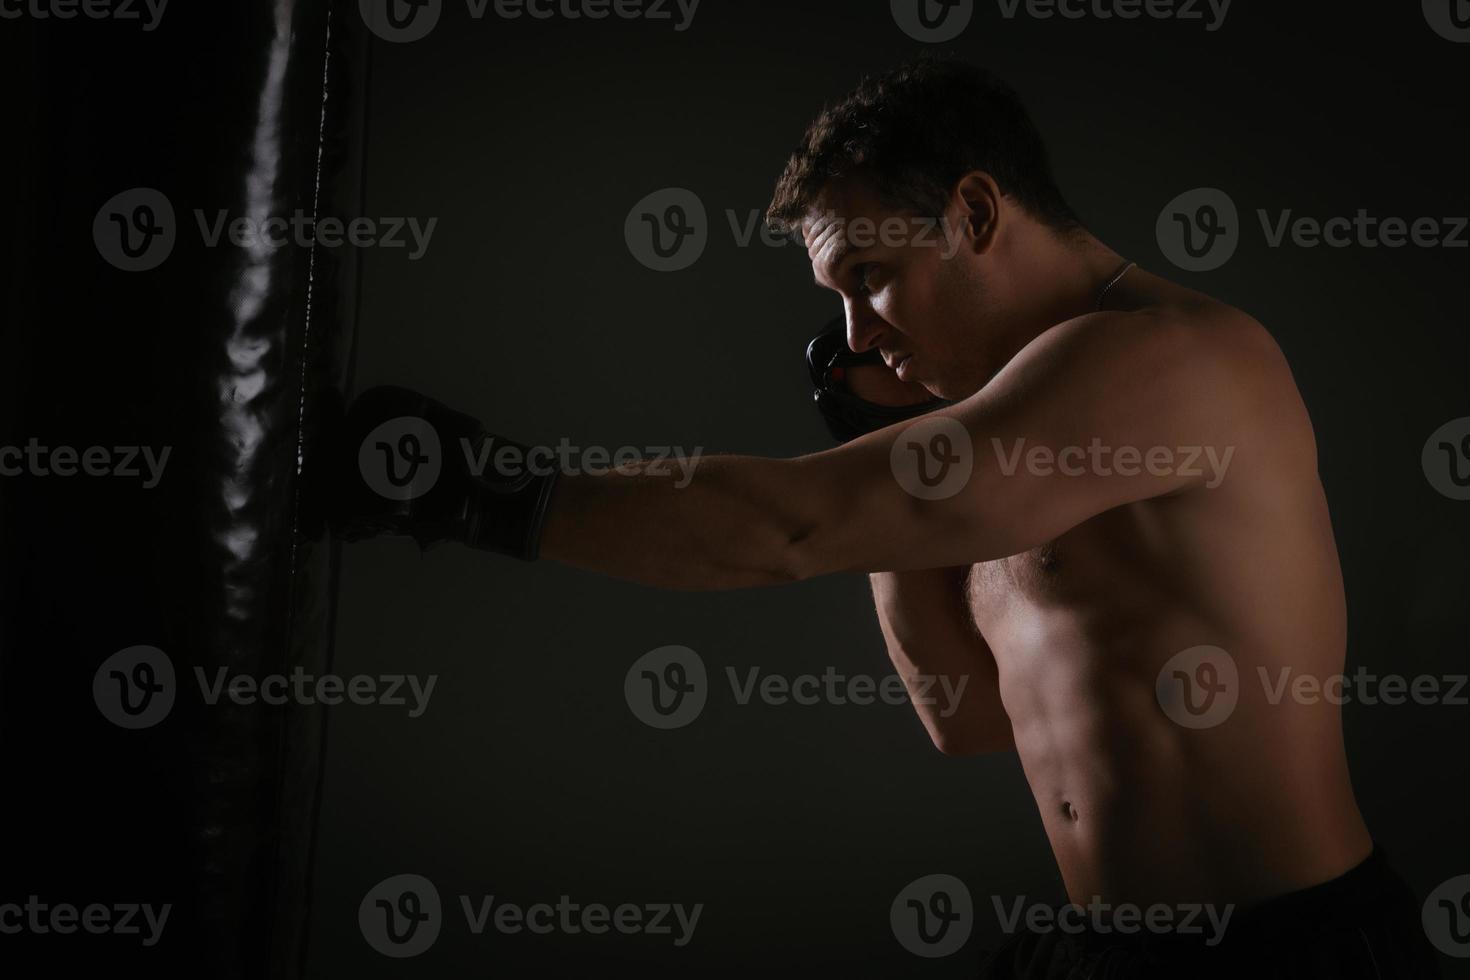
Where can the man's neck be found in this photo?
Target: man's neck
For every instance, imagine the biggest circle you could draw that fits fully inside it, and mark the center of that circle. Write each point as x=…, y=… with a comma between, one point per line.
x=1057, y=278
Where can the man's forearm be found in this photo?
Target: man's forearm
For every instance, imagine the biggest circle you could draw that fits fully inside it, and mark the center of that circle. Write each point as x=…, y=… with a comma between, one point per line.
x=737, y=523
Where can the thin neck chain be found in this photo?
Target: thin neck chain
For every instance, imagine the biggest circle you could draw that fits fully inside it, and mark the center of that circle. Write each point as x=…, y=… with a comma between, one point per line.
x=1117, y=278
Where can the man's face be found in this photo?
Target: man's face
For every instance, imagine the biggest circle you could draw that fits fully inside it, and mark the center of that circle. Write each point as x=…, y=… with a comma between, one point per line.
x=908, y=284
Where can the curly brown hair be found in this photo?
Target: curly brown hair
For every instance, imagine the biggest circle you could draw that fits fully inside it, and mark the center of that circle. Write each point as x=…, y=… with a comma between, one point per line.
x=915, y=130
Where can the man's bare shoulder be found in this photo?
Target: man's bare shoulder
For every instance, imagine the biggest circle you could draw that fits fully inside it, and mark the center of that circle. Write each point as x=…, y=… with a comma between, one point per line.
x=1228, y=367
x=1217, y=368
x=1191, y=325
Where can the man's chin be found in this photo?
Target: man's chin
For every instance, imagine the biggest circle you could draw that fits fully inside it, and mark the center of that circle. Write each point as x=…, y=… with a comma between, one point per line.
x=939, y=389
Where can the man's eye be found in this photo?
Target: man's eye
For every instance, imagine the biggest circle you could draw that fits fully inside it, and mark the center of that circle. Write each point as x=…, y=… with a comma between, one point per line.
x=864, y=274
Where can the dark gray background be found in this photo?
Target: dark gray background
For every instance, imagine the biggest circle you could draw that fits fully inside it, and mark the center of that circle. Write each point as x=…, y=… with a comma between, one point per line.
x=529, y=778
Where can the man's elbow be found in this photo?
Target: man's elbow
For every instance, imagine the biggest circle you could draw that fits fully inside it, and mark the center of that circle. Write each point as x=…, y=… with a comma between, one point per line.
x=800, y=556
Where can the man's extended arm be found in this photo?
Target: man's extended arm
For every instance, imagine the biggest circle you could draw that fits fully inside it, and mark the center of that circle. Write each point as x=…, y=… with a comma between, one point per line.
x=1117, y=381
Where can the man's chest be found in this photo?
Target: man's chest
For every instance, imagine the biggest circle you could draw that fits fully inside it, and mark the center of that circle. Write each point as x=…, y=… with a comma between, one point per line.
x=1102, y=568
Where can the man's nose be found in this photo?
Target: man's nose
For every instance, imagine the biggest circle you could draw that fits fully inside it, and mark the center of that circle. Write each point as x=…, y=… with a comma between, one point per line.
x=864, y=328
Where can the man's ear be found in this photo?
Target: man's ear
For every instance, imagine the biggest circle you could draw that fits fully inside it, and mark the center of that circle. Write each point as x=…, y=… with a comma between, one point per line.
x=976, y=210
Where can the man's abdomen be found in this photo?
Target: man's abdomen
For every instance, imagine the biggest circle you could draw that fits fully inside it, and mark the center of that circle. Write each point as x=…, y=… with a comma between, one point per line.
x=1131, y=668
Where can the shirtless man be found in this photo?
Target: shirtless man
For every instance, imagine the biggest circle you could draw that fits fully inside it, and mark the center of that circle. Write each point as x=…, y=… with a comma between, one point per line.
x=1073, y=592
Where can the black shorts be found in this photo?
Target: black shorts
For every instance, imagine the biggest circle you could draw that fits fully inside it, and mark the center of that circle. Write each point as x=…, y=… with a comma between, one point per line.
x=1365, y=924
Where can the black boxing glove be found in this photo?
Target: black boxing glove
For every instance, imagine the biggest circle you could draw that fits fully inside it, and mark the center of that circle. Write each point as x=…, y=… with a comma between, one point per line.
x=827, y=359
x=405, y=464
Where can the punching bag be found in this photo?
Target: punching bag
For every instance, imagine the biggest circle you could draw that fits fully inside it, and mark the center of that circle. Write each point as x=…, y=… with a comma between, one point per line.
x=176, y=341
